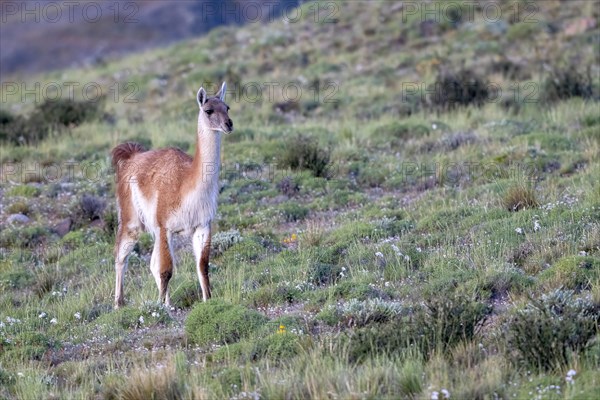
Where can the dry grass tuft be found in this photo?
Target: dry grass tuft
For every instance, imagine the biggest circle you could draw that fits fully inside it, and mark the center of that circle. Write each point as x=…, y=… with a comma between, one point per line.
x=519, y=196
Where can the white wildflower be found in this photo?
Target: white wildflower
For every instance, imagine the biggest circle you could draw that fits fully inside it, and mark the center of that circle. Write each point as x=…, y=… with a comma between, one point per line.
x=54, y=321
x=406, y=258
x=42, y=315
x=20, y=374
x=379, y=254
x=419, y=250
x=570, y=374
x=536, y=226
x=155, y=314
x=435, y=395
x=519, y=230
x=446, y=393
x=77, y=315
x=583, y=253
x=141, y=319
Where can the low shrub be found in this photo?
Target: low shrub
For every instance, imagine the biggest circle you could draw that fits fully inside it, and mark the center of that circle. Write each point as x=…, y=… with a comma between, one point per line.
x=519, y=196
x=293, y=212
x=288, y=186
x=454, y=89
x=437, y=326
x=357, y=313
x=544, y=332
x=572, y=272
x=186, y=294
x=565, y=83
x=47, y=117
x=303, y=152
x=25, y=237
x=216, y=321
x=399, y=130
x=320, y=274
x=18, y=207
x=278, y=347
x=222, y=241
x=23, y=191
x=446, y=320
x=65, y=112
x=268, y=295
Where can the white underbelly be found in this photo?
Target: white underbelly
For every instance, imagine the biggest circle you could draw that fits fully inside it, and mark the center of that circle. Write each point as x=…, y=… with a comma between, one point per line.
x=145, y=208
x=195, y=211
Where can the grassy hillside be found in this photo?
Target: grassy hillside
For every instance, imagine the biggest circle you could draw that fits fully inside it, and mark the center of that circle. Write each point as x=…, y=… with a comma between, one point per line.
x=423, y=221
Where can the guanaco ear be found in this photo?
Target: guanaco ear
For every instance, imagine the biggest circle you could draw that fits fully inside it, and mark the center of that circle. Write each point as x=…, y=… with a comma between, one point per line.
x=201, y=97
x=221, y=93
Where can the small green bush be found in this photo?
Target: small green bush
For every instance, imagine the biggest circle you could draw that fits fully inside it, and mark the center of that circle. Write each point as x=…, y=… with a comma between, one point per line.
x=278, y=347
x=572, y=272
x=23, y=191
x=218, y=322
x=26, y=237
x=303, y=152
x=19, y=207
x=293, y=212
x=30, y=345
x=269, y=295
x=16, y=279
x=49, y=116
x=445, y=320
x=399, y=130
x=67, y=112
x=357, y=313
x=320, y=274
x=454, y=89
x=186, y=294
x=547, y=329
x=566, y=83
x=222, y=241
x=438, y=325
x=522, y=30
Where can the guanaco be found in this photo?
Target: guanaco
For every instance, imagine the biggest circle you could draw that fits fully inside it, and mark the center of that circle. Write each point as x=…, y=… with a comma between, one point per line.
x=166, y=191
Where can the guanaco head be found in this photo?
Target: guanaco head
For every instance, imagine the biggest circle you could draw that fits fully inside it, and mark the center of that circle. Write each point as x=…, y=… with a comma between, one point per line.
x=214, y=113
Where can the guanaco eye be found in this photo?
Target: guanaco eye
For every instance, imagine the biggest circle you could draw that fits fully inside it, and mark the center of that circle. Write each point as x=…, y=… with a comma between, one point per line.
x=209, y=112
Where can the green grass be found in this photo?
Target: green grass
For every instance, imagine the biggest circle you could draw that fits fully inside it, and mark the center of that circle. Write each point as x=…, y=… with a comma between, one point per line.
x=405, y=250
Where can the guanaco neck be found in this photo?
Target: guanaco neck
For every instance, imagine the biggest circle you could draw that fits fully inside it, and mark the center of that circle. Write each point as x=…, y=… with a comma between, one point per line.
x=207, y=160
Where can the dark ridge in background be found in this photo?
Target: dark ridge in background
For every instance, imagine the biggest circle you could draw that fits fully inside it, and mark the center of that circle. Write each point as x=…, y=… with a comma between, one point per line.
x=32, y=42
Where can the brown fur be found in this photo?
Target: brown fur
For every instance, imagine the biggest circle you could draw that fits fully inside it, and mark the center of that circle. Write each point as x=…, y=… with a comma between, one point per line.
x=124, y=151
